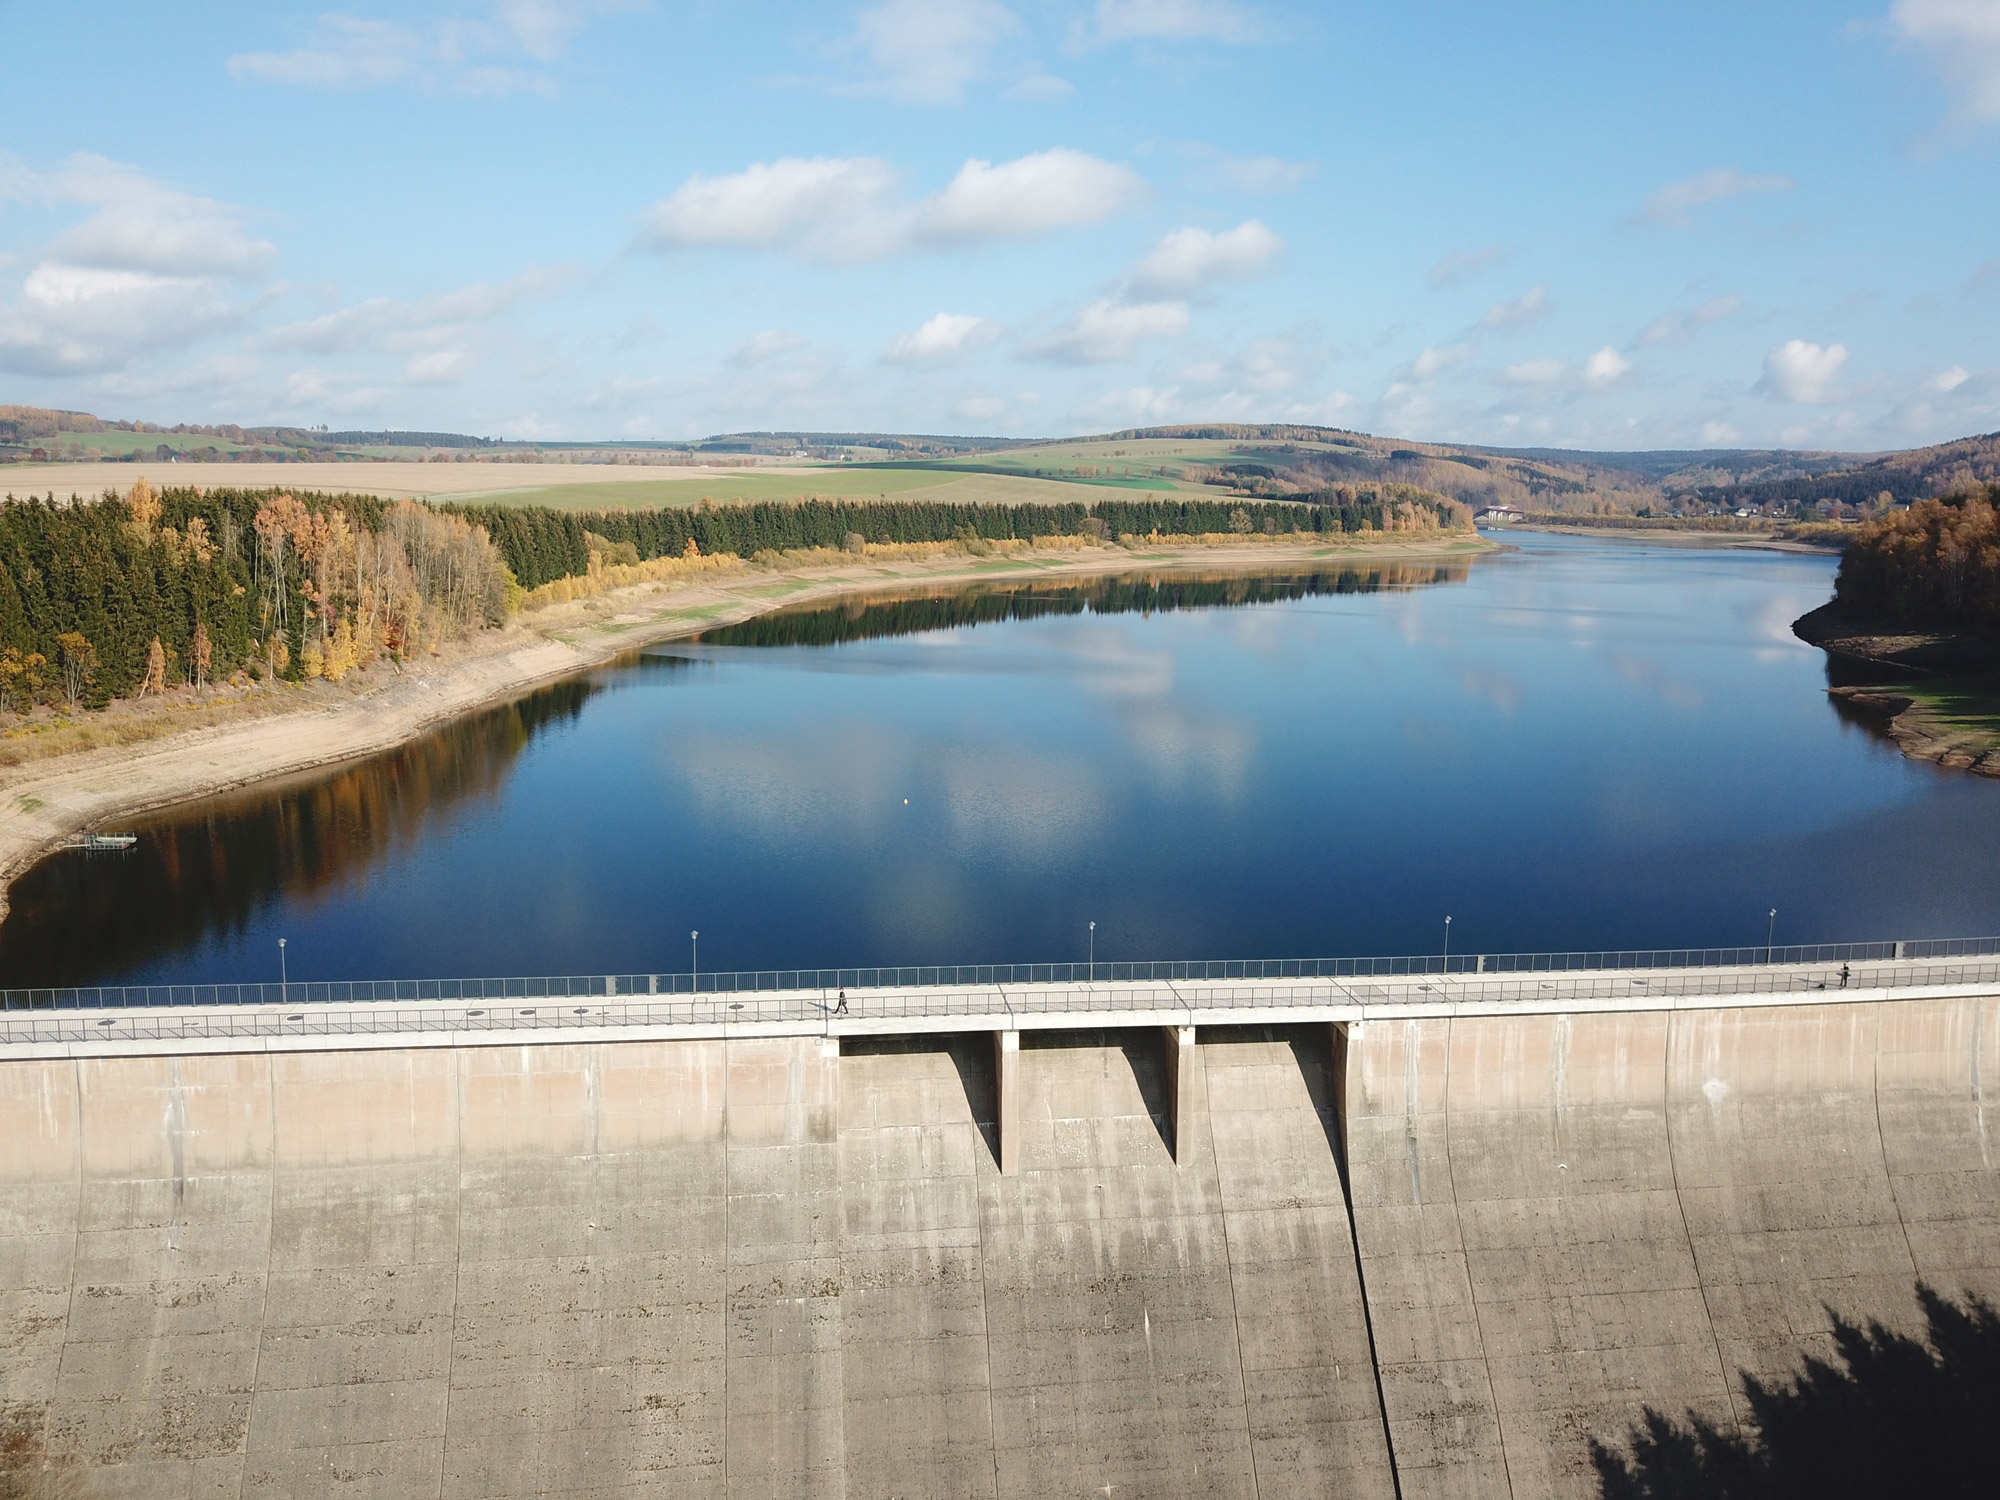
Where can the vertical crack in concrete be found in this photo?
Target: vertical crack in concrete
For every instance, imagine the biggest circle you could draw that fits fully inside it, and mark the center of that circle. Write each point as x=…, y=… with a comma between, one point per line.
x=728, y=1266
x=1881, y=1140
x=457, y=1250
x=1465, y=1260
x=270, y=1253
x=985, y=1315
x=1680, y=1207
x=1978, y=1083
x=1341, y=1166
x=176, y=1124
x=1229, y=1263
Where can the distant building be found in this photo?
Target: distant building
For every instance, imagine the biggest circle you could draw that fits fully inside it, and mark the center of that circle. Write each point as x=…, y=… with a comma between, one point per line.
x=1500, y=515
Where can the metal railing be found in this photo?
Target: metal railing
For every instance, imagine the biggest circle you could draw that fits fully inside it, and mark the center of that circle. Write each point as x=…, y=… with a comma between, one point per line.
x=1165, y=971
x=1089, y=1005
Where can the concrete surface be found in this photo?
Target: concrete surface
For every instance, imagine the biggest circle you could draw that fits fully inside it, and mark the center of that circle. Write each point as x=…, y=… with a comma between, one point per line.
x=742, y=1268
x=1566, y=1219
x=783, y=1265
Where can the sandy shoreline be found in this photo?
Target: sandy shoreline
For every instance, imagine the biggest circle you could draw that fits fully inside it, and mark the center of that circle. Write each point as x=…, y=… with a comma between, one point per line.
x=43, y=802
x=1755, y=541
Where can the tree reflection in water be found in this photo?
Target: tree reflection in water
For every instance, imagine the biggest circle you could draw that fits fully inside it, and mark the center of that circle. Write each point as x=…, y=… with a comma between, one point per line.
x=196, y=875
x=1896, y=1416
x=873, y=617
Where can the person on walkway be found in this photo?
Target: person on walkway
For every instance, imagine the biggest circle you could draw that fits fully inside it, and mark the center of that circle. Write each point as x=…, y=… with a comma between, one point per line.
x=841, y=1009
x=1843, y=976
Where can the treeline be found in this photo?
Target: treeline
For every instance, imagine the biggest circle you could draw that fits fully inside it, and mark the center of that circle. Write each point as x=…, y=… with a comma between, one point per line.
x=542, y=545
x=839, y=624
x=1935, y=564
x=1856, y=487
x=119, y=597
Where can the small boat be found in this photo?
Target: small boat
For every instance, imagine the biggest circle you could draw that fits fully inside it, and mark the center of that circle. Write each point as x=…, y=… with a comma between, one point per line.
x=102, y=843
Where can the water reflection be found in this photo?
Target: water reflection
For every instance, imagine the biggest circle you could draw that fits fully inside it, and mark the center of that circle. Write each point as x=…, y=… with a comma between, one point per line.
x=206, y=873
x=869, y=618
x=1577, y=745
x=205, y=878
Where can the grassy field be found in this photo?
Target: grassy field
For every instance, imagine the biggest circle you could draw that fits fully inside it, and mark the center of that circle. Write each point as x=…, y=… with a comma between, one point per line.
x=1159, y=464
x=835, y=482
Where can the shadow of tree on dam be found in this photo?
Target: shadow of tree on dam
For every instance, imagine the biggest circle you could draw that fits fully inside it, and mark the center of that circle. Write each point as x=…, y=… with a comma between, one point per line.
x=1897, y=1416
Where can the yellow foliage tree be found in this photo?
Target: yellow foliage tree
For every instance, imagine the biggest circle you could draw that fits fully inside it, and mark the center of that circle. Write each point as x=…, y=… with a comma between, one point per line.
x=155, y=680
x=144, y=503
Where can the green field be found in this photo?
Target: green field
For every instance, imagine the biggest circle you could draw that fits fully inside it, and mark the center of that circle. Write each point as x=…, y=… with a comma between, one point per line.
x=1159, y=464
x=834, y=482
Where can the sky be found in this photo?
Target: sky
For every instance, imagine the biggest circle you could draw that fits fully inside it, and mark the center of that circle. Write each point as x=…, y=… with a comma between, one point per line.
x=1578, y=225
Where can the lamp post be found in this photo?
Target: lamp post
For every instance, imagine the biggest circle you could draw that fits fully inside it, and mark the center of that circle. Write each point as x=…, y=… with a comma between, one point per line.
x=694, y=979
x=1093, y=953
x=1770, y=932
x=284, y=985
x=1447, y=945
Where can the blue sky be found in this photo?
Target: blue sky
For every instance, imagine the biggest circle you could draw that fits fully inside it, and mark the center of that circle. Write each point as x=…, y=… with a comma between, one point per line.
x=1570, y=224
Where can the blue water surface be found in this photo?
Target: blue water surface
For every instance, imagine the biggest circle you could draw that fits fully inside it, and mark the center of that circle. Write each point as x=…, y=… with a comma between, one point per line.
x=1578, y=744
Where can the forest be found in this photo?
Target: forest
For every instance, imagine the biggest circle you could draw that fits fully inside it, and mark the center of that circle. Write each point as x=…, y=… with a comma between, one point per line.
x=126, y=595
x=542, y=545
x=119, y=597
x=1935, y=564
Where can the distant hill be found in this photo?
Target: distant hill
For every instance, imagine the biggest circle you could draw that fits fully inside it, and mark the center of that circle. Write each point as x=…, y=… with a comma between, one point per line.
x=1270, y=460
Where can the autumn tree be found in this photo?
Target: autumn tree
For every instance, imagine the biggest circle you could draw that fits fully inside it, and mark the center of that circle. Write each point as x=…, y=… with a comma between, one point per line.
x=144, y=503
x=21, y=681
x=155, y=680
x=79, y=663
x=200, y=656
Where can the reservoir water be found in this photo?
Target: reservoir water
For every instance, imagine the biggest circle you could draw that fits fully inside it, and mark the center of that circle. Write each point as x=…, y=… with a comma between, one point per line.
x=1577, y=744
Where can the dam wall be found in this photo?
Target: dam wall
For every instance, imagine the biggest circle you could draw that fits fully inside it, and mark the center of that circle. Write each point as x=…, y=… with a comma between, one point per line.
x=801, y=1265
x=1566, y=1219
x=686, y=1268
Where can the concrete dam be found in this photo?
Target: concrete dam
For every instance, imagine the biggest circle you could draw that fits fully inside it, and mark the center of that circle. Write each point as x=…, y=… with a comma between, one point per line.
x=1418, y=1238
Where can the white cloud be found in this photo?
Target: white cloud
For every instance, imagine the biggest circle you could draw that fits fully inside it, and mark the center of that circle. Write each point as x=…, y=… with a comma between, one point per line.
x=150, y=268
x=830, y=207
x=1674, y=327
x=71, y=320
x=769, y=344
x=446, y=54
x=846, y=208
x=927, y=51
x=390, y=325
x=349, y=53
x=1172, y=20
x=1718, y=434
x=1535, y=372
x=1038, y=86
x=1109, y=330
x=1530, y=307
x=1437, y=359
x=1186, y=258
x=1606, y=367
x=1963, y=39
x=1800, y=371
x=445, y=367
x=1247, y=174
x=945, y=337
x=1950, y=380
x=1461, y=266
x=1675, y=203
x=1028, y=196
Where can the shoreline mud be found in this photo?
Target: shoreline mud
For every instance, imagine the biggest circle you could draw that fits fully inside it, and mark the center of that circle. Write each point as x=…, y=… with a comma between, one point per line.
x=1911, y=677
x=45, y=801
